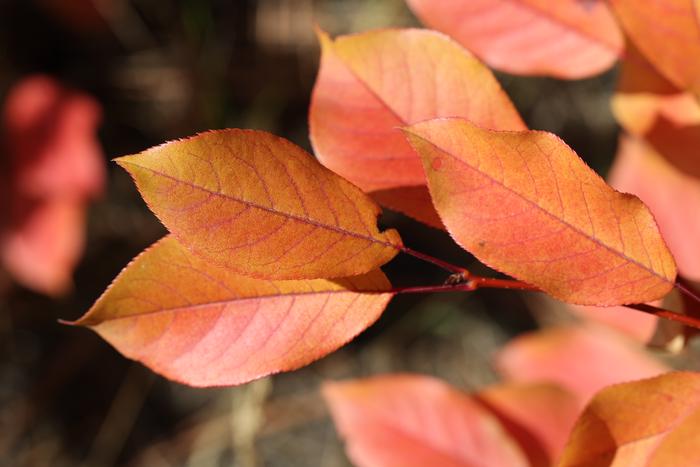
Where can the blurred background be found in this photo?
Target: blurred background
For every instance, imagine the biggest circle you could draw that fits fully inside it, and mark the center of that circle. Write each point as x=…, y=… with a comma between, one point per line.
x=141, y=72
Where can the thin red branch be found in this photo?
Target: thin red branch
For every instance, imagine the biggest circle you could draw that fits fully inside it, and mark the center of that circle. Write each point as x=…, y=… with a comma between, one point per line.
x=475, y=282
x=437, y=262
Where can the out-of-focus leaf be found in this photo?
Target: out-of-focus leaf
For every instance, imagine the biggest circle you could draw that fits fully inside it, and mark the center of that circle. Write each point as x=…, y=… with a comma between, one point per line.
x=41, y=246
x=582, y=359
x=568, y=39
x=538, y=415
x=649, y=106
x=654, y=422
x=54, y=167
x=408, y=420
x=667, y=32
x=370, y=84
x=50, y=135
x=527, y=205
x=207, y=326
x=672, y=196
x=260, y=205
x=639, y=326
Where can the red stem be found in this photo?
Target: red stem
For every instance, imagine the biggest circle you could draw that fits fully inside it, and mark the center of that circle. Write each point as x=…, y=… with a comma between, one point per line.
x=437, y=262
x=474, y=283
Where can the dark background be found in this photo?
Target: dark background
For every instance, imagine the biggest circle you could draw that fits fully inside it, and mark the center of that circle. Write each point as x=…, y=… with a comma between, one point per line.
x=166, y=69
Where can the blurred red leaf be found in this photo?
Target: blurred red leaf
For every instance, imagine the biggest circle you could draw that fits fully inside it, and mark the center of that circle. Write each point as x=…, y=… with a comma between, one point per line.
x=568, y=39
x=410, y=420
x=639, y=326
x=672, y=196
x=654, y=422
x=54, y=167
x=582, y=359
x=538, y=415
x=649, y=106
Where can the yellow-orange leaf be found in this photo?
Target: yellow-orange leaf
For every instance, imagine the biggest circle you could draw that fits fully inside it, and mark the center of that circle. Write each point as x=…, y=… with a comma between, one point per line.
x=372, y=83
x=564, y=38
x=261, y=206
x=527, y=205
x=411, y=420
x=649, y=106
x=667, y=32
x=653, y=422
x=207, y=326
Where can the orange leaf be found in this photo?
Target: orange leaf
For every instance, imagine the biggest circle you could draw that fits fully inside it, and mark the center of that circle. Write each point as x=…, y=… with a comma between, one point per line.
x=527, y=205
x=568, y=39
x=540, y=416
x=582, y=359
x=261, y=206
x=667, y=32
x=640, y=423
x=649, y=106
x=672, y=196
x=407, y=420
x=370, y=84
x=207, y=326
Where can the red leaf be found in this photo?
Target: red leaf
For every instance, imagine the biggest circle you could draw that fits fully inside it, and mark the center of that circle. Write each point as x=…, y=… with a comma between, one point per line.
x=568, y=39
x=207, y=326
x=55, y=166
x=539, y=415
x=370, y=84
x=41, y=247
x=582, y=359
x=51, y=138
x=527, y=205
x=404, y=421
x=671, y=195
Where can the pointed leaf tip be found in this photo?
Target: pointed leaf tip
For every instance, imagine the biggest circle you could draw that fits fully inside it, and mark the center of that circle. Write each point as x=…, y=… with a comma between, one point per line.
x=203, y=325
x=527, y=205
x=261, y=206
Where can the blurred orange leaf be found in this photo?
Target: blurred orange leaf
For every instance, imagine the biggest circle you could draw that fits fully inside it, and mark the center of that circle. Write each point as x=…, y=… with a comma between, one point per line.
x=582, y=359
x=370, y=84
x=207, y=326
x=538, y=415
x=667, y=32
x=527, y=205
x=654, y=422
x=671, y=195
x=261, y=206
x=54, y=167
x=409, y=420
x=649, y=106
x=567, y=39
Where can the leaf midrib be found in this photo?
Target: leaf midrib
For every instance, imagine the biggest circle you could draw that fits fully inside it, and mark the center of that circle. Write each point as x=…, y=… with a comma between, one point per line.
x=550, y=214
x=295, y=217
x=224, y=302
